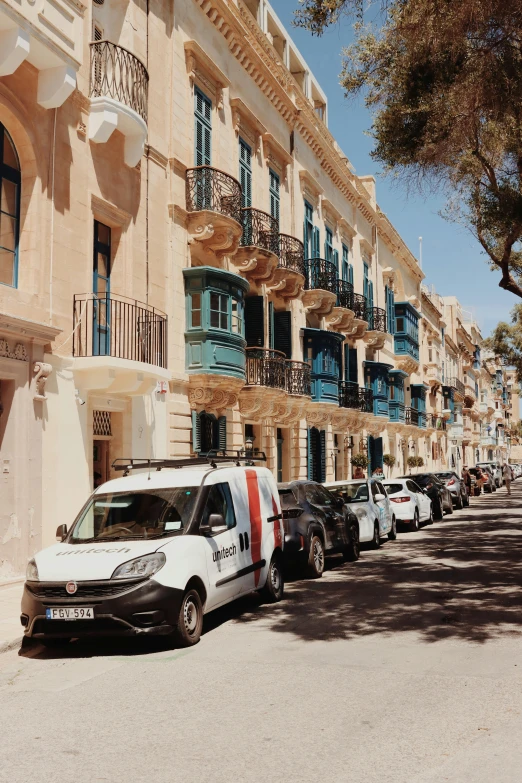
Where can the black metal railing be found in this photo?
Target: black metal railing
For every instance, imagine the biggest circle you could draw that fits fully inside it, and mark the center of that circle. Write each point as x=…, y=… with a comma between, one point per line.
x=411, y=416
x=320, y=274
x=260, y=230
x=298, y=378
x=360, y=307
x=353, y=396
x=212, y=189
x=265, y=367
x=345, y=294
x=436, y=422
x=118, y=74
x=120, y=327
x=456, y=384
x=376, y=318
x=291, y=254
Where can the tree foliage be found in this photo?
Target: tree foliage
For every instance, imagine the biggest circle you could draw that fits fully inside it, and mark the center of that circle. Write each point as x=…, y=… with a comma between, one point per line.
x=443, y=80
x=506, y=341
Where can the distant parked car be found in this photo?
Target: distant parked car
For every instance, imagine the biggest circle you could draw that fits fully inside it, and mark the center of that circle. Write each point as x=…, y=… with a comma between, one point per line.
x=456, y=487
x=495, y=470
x=412, y=504
x=316, y=524
x=490, y=485
x=367, y=498
x=437, y=492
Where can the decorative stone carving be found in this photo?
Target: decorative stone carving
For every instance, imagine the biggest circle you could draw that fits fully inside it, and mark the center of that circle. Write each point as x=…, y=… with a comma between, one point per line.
x=201, y=68
x=213, y=393
x=41, y=371
x=255, y=263
x=260, y=402
x=375, y=339
x=19, y=352
x=408, y=364
x=341, y=320
x=357, y=328
x=216, y=234
x=320, y=301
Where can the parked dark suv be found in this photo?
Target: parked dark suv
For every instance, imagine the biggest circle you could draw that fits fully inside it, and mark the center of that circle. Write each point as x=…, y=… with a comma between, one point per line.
x=437, y=492
x=316, y=524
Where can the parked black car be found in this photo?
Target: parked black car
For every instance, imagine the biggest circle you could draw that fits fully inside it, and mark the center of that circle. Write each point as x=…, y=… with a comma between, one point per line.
x=316, y=524
x=438, y=493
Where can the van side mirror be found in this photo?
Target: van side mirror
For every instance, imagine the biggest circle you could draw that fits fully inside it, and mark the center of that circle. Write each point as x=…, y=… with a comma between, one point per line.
x=61, y=532
x=379, y=496
x=214, y=521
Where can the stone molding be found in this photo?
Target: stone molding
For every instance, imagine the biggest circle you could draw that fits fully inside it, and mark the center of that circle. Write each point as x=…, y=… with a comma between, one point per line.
x=201, y=68
x=41, y=371
x=19, y=352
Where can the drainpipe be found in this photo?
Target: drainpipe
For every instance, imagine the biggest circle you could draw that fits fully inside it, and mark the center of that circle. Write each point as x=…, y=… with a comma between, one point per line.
x=51, y=253
x=147, y=172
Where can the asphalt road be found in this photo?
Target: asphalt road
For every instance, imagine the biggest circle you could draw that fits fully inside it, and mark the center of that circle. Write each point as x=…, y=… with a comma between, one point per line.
x=405, y=667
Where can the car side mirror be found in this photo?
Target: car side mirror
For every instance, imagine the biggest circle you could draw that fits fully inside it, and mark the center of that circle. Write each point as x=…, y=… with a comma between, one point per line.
x=292, y=513
x=214, y=521
x=379, y=497
x=61, y=532
x=339, y=501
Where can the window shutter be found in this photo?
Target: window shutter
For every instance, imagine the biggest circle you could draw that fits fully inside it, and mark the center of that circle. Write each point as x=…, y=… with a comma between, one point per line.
x=271, y=325
x=254, y=322
x=350, y=274
x=203, y=118
x=351, y=366
x=312, y=434
x=196, y=432
x=316, y=243
x=283, y=332
x=245, y=173
x=222, y=433
x=322, y=474
x=336, y=260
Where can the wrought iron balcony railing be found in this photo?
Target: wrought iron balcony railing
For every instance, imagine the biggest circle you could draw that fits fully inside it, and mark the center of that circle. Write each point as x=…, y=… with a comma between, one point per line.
x=411, y=416
x=360, y=307
x=212, y=189
x=345, y=294
x=259, y=230
x=298, y=378
x=353, y=396
x=265, y=367
x=376, y=318
x=291, y=254
x=436, y=422
x=118, y=74
x=320, y=274
x=456, y=384
x=120, y=327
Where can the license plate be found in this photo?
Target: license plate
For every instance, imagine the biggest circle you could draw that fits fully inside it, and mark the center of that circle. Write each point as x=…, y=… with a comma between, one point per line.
x=70, y=613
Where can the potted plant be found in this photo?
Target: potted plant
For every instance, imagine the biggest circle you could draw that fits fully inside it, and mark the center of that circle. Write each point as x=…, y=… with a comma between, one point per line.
x=360, y=462
x=389, y=460
x=411, y=462
x=420, y=462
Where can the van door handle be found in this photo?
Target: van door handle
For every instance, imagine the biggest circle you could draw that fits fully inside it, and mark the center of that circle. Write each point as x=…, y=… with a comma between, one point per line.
x=241, y=542
x=247, y=542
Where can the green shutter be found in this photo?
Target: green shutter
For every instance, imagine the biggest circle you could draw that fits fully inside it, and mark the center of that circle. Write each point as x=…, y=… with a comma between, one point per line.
x=336, y=260
x=196, y=432
x=273, y=184
x=254, y=322
x=312, y=438
x=271, y=325
x=322, y=458
x=350, y=273
x=245, y=173
x=350, y=364
x=316, y=243
x=283, y=332
x=203, y=128
x=222, y=433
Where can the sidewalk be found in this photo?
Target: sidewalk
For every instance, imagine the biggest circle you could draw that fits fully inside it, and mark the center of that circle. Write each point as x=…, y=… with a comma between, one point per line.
x=11, y=631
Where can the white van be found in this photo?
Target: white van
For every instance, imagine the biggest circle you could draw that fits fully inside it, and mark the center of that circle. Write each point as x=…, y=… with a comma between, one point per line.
x=153, y=551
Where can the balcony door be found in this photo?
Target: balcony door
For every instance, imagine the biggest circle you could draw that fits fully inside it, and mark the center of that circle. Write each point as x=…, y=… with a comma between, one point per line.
x=101, y=287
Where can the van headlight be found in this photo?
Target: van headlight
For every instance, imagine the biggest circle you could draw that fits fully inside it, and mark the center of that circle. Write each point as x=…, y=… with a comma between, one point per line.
x=141, y=566
x=31, y=573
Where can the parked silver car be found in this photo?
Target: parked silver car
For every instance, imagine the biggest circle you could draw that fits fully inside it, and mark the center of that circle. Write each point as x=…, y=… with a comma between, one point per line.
x=456, y=486
x=495, y=470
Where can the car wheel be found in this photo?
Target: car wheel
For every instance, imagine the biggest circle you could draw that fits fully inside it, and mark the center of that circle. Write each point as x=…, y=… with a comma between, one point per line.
x=415, y=524
x=392, y=535
x=353, y=551
x=274, y=587
x=190, y=620
x=437, y=511
x=430, y=518
x=494, y=488
x=376, y=540
x=315, y=564
x=466, y=501
x=459, y=504
x=450, y=508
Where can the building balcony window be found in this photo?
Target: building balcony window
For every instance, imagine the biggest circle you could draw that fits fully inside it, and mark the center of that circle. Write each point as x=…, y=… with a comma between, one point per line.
x=377, y=379
x=376, y=332
x=215, y=217
x=414, y=417
x=321, y=275
x=260, y=230
x=435, y=422
x=298, y=378
x=353, y=396
x=396, y=395
x=214, y=336
x=457, y=386
x=406, y=331
x=291, y=254
x=118, y=90
x=49, y=35
x=119, y=344
x=322, y=351
x=265, y=367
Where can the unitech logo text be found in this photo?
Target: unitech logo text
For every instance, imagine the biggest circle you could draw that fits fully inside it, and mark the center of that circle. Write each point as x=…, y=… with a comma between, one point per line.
x=224, y=552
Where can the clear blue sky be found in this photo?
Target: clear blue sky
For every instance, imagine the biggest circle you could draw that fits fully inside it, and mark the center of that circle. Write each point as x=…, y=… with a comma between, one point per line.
x=452, y=259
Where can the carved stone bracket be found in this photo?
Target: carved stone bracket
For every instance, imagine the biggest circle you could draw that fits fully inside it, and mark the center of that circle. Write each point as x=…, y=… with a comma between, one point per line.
x=407, y=364
x=375, y=339
x=213, y=393
x=322, y=302
x=357, y=328
x=260, y=402
x=217, y=234
x=19, y=352
x=341, y=320
x=255, y=263
x=286, y=282
x=41, y=371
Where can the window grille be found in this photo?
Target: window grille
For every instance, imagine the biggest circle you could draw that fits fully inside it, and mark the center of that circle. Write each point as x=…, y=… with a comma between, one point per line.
x=102, y=423
x=99, y=2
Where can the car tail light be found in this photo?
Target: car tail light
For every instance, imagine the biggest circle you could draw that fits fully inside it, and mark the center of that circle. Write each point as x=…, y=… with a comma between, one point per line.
x=400, y=499
x=450, y=482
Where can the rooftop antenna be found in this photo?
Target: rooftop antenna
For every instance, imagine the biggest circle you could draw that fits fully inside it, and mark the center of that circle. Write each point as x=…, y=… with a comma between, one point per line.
x=420, y=252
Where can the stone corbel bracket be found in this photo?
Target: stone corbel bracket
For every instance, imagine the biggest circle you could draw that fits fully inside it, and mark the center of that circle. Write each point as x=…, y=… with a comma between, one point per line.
x=41, y=371
x=322, y=302
x=375, y=339
x=201, y=68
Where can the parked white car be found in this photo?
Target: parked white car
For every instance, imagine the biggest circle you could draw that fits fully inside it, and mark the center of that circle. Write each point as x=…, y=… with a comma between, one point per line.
x=411, y=503
x=367, y=498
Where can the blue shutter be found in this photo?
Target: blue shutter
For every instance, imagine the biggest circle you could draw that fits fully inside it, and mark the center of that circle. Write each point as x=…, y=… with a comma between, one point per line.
x=350, y=364
x=316, y=243
x=336, y=260
x=365, y=281
x=310, y=457
x=254, y=322
x=196, y=432
x=222, y=433
x=273, y=186
x=350, y=274
x=322, y=461
x=203, y=128
x=245, y=173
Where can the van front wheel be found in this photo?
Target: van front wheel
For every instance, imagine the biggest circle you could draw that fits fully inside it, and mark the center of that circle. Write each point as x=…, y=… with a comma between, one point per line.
x=275, y=584
x=190, y=620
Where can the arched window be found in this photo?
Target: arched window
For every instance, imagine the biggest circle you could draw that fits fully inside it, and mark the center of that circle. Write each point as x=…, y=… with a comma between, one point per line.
x=9, y=209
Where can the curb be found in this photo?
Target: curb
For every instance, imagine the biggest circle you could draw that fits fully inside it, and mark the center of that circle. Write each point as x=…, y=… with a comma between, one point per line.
x=8, y=646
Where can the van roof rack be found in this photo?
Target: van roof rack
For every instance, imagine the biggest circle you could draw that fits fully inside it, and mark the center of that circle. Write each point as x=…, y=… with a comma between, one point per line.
x=212, y=458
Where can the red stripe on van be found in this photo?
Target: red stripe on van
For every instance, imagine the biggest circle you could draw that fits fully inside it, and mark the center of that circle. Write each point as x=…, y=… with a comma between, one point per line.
x=256, y=523
x=278, y=537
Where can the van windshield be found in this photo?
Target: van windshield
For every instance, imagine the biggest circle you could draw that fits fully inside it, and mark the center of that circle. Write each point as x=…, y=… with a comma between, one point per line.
x=144, y=514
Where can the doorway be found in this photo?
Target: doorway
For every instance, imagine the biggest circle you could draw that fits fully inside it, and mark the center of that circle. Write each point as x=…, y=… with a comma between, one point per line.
x=101, y=286
x=100, y=462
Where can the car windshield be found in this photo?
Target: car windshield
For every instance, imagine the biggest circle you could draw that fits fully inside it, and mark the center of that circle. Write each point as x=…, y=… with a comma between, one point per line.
x=143, y=515
x=445, y=476
x=287, y=498
x=352, y=492
x=423, y=480
x=391, y=489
